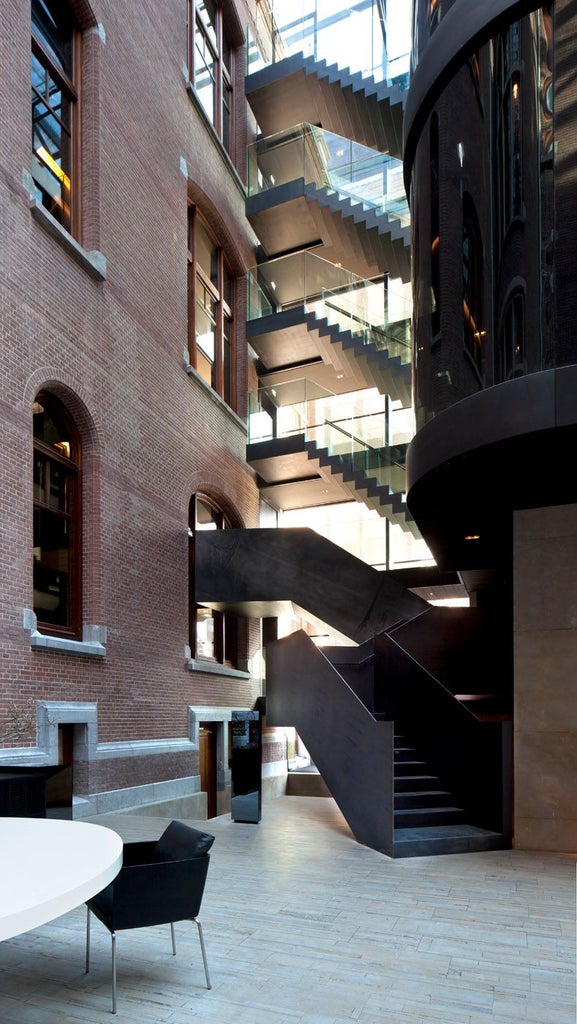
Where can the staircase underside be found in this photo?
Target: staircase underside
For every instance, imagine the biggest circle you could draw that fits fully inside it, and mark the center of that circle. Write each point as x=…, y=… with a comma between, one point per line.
x=298, y=215
x=293, y=343
x=299, y=89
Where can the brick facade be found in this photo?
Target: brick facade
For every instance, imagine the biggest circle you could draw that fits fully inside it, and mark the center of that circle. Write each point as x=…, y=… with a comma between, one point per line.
x=112, y=350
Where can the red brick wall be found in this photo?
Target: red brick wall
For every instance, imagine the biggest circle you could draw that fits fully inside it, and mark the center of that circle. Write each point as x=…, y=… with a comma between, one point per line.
x=113, y=350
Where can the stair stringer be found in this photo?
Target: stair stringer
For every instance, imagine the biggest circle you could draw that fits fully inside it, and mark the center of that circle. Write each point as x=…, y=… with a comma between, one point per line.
x=380, y=369
x=300, y=88
x=366, y=489
x=352, y=750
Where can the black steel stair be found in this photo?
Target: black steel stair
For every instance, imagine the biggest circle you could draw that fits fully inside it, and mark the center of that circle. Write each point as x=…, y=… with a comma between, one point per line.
x=426, y=821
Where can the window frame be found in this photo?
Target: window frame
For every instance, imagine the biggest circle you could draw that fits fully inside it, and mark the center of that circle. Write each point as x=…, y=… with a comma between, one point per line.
x=72, y=467
x=225, y=624
x=69, y=83
x=223, y=76
x=223, y=377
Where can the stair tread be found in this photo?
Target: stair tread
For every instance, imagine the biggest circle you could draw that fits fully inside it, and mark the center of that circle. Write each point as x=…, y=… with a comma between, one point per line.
x=442, y=832
x=428, y=810
x=424, y=792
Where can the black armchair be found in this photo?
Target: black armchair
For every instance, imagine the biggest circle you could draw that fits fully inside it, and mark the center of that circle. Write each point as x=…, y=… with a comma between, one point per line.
x=159, y=883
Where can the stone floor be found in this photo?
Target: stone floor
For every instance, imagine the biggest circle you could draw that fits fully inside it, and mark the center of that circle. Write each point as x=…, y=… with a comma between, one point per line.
x=305, y=926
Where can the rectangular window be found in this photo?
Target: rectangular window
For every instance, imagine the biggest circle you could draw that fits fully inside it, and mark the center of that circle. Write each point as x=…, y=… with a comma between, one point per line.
x=210, y=66
x=54, y=56
x=210, y=305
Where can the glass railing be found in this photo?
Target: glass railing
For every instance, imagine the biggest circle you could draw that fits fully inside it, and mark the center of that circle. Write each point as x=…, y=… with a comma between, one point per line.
x=329, y=161
x=376, y=312
x=359, y=428
x=350, y=35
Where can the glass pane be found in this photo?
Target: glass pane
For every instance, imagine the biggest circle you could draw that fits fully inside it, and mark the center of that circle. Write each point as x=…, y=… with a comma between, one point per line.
x=205, y=322
x=227, y=361
x=204, y=633
x=207, y=516
x=51, y=567
x=206, y=253
x=51, y=160
x=226, y=115
x=51, y=429
x=207, y=13
x=204, y=79
x=54, y=27
x=51, y=483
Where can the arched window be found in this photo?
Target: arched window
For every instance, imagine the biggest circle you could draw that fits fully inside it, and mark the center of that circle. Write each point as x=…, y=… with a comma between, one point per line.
x=473, y=332
x=511, y=351
x=213, y=635
x=57, y=526
x=54, y=64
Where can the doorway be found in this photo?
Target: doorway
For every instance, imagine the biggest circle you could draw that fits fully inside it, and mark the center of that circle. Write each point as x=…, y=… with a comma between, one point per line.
x=207, y=765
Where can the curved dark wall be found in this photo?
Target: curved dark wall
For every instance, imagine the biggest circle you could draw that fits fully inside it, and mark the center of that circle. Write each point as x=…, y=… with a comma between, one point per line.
x=466, y=27
x=491, y=154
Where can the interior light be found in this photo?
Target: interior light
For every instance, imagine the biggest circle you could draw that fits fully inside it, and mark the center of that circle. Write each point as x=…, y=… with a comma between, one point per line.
x=50, y=162
x=273, y=285
x=63, y=447
x=473, y=536
x=515, y=90
x=461, y=152
x=37, y=408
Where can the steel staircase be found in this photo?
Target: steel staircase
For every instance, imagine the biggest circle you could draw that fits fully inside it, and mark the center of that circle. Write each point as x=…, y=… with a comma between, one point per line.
x=301, y=88
x=298, y=214
x=369, y=358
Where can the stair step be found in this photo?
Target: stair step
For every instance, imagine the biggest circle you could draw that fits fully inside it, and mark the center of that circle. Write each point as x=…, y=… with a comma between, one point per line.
x=409, y=783
x=408, y=767
x=413, y=817
x=442, y=839
x=420, y=798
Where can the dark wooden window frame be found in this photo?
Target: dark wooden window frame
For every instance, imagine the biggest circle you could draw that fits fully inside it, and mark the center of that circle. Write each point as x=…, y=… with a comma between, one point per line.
x=223, y=375
x=223, y=77
x=69, y=84
x=72, y=629
x=225, y=623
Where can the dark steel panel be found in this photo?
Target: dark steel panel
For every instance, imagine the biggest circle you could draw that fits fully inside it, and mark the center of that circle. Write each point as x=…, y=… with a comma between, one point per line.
x=353, y=752
x=466, y=27
x=253, y=568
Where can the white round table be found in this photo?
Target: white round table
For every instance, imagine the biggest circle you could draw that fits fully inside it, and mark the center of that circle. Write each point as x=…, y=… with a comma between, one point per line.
x=48, y=866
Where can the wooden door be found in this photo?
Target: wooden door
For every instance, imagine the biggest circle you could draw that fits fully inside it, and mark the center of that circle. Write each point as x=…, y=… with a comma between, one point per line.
x=207, y=765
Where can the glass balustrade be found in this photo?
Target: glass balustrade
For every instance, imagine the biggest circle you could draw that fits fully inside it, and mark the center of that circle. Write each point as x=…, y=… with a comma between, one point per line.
x=376, y=312
x=361, y=429
x=342, y=167
x=362, y=36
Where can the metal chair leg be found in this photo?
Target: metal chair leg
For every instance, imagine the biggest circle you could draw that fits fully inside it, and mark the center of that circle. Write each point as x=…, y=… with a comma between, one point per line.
x=113, y=934
x=203, y=951
x=87, y=966
x=173, y=939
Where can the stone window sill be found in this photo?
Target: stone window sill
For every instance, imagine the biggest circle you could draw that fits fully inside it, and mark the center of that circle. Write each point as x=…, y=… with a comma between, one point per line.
x=93, y=262
x=92, y=643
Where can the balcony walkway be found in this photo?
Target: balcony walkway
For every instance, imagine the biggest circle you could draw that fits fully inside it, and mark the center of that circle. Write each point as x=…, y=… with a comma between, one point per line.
x=305, y=926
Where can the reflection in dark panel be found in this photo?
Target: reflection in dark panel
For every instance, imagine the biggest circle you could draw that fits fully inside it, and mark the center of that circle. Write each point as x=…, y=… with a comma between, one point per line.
x=246, y=759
